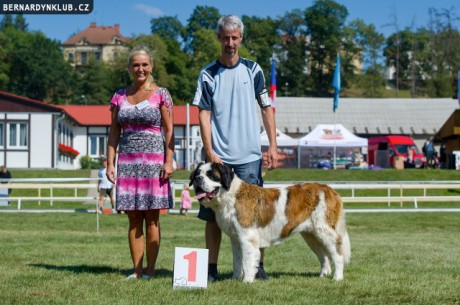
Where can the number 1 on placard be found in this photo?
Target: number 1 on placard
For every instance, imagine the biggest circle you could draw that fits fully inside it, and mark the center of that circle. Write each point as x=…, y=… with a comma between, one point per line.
x=191, y=257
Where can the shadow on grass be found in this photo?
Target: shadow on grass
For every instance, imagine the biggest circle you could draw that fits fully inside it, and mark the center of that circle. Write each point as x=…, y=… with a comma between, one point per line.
x=273, y=275
x=99, y=270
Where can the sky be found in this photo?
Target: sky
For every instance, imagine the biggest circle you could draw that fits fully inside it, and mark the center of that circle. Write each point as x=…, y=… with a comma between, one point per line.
x=134, y=15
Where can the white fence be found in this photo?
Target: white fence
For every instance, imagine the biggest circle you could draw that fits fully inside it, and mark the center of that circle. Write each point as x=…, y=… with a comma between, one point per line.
x=396, y=191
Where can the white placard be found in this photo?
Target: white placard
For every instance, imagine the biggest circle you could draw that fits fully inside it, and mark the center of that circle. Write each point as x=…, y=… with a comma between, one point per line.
x=190, y=268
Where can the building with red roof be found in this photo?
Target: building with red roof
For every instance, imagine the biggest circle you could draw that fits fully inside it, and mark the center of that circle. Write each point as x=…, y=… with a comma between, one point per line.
x=95, y=42
x=34, y=134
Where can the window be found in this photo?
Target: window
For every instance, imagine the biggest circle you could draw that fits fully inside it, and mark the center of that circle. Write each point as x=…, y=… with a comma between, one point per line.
x=97, y=56
x=18, y=135
x=97, y=146
x=2, y=135
x=84, y=58
x=70, y=56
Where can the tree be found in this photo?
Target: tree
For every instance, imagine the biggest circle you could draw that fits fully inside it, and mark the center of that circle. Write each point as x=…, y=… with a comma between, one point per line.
x=444, y=56
x=4, y=64
x=325, y=21
x=20, y=23
x=94, y=84
x=260, y=38
x=292, y=54
x=205, y=48
x=7, y=21
x=169, y=28
x=369, y=44
x=36, y=64
x=203, y=17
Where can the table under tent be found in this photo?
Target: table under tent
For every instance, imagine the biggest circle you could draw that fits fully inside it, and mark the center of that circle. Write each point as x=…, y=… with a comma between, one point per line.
x=316, y=149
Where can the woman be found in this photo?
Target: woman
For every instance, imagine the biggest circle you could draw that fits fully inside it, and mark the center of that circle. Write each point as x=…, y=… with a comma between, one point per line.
x=145, y=158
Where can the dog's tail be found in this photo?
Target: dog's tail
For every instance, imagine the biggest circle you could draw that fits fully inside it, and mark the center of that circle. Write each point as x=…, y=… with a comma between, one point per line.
x=342, y=232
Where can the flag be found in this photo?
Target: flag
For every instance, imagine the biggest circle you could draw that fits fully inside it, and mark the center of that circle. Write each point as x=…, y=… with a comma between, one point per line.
x=273, y=83
x=336, y=83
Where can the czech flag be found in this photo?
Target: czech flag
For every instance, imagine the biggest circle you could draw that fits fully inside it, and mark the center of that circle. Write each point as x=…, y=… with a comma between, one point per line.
x=336, y=83
x=273, y=83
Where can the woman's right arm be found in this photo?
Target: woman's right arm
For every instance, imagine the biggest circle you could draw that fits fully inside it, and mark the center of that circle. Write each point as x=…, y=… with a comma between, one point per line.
x=112, y=144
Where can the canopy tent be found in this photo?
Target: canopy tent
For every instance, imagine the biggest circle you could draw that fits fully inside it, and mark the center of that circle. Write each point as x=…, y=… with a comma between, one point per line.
x=287, y=149
x=330, y=135
x=318, y=146
x=282, y=139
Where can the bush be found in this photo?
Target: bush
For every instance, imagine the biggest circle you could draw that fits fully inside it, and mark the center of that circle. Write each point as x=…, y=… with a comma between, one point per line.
x=86, y=162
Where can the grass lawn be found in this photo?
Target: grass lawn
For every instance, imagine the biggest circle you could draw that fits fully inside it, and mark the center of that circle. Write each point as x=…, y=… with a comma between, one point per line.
x=397, y=258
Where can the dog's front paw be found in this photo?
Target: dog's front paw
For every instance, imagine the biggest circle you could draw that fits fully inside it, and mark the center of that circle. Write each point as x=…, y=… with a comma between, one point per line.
x=248, y=280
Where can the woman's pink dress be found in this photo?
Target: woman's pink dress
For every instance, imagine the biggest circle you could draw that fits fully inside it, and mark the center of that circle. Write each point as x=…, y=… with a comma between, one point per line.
x=141, y=155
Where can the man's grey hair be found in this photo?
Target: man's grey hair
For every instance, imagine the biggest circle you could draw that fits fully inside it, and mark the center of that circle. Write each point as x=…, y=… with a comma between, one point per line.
x=229, y=23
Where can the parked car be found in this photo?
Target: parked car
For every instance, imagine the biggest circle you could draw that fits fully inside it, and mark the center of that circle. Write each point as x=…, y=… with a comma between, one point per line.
x=384, y=151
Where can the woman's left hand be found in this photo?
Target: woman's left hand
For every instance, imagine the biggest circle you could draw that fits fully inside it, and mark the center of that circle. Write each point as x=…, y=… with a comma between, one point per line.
x=167, y=171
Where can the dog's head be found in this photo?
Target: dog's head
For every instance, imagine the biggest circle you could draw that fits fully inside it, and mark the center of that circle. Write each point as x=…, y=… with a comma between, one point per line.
x=208, y=179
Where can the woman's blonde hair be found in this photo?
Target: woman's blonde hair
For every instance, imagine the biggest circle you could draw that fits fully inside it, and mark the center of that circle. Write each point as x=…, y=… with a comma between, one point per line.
x=142, y=50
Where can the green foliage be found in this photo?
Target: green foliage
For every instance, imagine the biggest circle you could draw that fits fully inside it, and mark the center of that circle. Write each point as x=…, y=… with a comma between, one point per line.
x=86, y=162
x=205, y=48
x=95, y=83
x=325, y=21
x=203, y=17
x=305, y=43
x=34, y=64
x=168, y=28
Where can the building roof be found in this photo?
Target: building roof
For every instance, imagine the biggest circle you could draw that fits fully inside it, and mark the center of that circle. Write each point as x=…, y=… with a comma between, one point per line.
x=296, y=115
x=96, y=35
x=15, y=103
x=99, y=115
x=94, y=115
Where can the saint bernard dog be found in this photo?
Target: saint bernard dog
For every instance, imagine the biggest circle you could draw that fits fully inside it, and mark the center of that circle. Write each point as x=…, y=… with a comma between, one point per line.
x=255, y=217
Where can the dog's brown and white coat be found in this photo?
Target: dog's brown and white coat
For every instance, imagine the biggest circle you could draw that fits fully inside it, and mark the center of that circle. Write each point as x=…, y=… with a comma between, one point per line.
x=255, y=217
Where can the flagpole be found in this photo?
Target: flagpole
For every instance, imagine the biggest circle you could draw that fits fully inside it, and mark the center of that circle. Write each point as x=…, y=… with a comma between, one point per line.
x=336, y=85
x=335, y=137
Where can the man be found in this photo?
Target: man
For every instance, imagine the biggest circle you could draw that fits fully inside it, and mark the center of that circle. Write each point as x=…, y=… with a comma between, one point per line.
x=104, y=187
x=228, y=92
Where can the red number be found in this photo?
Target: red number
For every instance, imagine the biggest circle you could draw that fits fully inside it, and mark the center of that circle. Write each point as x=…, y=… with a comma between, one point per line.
x=191, y=257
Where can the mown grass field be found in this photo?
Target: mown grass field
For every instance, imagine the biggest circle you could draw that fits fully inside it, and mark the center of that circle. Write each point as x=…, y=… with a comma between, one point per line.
x=397, y=258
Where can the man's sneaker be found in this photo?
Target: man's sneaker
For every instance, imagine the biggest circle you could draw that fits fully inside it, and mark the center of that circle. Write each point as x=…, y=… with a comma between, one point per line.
x=213, y=277
x=261, y=274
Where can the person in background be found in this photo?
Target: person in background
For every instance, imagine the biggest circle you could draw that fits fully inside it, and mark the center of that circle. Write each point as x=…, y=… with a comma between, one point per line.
x=185, y=200
x=227, y=94
x=410, y=162
x=104, y=187
x=140, y=114
x=5, y=174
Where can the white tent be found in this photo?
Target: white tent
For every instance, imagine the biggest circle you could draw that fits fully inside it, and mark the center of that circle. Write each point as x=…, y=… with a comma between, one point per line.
x=282, y=139
x=327, y=141
x=287, y=149
x=330, y=135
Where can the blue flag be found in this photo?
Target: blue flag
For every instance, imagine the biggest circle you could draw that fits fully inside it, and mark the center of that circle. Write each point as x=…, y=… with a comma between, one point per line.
x=336, y=83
